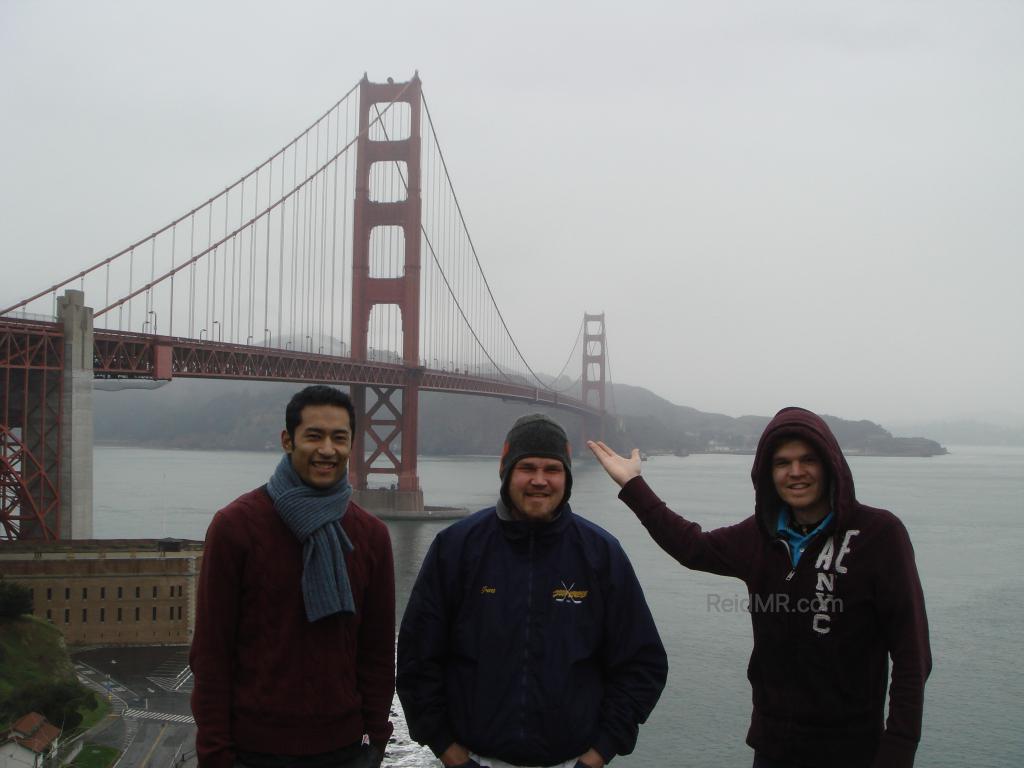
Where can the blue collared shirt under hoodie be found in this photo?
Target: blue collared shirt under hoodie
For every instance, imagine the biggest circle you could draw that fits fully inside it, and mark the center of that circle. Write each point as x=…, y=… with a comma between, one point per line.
x=798, y=541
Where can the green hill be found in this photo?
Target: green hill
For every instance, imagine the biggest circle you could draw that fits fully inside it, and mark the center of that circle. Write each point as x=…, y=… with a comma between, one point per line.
x=36, y=674
x=31, y=651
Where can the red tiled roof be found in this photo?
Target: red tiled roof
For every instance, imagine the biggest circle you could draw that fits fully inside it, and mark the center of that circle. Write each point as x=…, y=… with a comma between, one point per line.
x=28, y=723
x=33, y=732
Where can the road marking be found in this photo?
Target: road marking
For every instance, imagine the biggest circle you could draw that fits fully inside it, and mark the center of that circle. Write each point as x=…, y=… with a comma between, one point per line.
x=146, y=714
x=156, y=742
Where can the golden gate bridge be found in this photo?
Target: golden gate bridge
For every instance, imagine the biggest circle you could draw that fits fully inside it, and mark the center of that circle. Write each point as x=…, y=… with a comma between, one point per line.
x=344, y=258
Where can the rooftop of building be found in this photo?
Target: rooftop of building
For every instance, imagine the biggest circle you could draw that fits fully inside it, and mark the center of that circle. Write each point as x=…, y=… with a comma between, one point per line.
x=69, y=546
x=34, y=732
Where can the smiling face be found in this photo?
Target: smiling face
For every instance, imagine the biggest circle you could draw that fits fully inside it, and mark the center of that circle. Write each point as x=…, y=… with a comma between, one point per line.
x=801, y=480
x=536, y=487
x=320, y=447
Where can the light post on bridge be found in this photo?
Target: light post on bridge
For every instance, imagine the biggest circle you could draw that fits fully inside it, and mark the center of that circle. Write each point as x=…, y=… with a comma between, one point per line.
x=219, y=329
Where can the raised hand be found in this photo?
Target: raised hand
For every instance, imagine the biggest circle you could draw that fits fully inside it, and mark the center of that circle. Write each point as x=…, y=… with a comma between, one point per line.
x=619, y=468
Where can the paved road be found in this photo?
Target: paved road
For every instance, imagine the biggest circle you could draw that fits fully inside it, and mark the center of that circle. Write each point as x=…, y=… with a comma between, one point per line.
x=148, y=688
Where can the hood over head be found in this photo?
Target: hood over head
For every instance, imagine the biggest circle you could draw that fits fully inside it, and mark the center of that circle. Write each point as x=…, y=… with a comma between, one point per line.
x=794, y=423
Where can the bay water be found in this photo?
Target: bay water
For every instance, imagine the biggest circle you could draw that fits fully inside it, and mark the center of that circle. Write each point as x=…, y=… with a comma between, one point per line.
x=964, y=511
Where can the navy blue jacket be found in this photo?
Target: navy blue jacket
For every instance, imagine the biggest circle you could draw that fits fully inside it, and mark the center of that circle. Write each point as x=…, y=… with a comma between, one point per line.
x=529, y=642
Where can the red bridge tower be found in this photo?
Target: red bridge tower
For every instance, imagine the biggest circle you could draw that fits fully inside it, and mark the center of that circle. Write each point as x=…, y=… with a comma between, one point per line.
x=385, y=439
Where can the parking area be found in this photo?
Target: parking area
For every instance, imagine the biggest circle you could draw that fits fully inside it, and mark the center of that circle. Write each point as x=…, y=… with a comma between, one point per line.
x=148, y=687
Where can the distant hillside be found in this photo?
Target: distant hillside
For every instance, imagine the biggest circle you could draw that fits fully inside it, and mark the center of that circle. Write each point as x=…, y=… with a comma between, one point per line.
x=250, y=416
x=966, y=432
x=655, y=424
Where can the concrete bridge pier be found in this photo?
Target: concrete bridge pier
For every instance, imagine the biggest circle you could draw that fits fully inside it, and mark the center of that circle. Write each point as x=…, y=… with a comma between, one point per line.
x=76, y=427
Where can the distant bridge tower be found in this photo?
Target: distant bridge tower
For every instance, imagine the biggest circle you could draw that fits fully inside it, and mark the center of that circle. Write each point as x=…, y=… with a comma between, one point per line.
x=385, y=439
x=594, y=367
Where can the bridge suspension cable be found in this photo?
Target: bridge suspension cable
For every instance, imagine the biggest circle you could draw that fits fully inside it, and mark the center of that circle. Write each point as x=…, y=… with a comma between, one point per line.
x=265, y=261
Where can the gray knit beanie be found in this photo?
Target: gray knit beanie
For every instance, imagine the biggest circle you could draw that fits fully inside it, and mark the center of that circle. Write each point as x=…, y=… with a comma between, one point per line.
x=535, y=435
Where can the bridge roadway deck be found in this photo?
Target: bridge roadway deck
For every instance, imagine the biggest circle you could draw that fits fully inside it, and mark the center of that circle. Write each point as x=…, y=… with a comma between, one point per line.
x=120, y=354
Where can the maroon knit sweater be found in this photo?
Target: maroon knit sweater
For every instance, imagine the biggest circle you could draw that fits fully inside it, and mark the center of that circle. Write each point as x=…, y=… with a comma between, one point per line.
x=825, y=630
x=268, y=680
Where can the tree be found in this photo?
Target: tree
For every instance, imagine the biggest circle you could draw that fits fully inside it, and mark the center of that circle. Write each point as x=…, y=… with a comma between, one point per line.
x=58, y=702
x=15, y=599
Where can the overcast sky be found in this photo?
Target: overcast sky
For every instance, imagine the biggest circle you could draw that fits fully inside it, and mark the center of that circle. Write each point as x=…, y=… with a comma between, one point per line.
x=815, y=203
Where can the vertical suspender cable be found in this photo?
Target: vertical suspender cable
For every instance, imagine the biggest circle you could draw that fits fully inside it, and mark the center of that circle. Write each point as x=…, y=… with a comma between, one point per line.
x=170, y=321
x=191, y=278
x=266, y=260
x=334, y=226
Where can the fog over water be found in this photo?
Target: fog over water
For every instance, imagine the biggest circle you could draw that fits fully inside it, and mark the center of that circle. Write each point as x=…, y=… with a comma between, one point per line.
x=963, y=511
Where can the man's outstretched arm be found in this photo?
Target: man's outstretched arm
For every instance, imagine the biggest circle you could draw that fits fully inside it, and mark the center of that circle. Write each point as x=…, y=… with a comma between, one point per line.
x=726, y=551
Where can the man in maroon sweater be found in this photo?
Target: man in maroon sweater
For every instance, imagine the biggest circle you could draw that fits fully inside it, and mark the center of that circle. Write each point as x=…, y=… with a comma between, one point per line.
x=834, y=594
x=293, y=653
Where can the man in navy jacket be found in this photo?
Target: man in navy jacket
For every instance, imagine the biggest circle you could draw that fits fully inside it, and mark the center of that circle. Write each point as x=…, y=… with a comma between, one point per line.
x=527, y=639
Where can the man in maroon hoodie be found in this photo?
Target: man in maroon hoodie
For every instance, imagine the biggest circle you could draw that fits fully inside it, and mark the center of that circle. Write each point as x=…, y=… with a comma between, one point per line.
x=834, y=594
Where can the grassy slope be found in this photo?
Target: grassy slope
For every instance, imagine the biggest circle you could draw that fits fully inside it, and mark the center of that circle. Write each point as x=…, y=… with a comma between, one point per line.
x=31, y=651
x=96, y=756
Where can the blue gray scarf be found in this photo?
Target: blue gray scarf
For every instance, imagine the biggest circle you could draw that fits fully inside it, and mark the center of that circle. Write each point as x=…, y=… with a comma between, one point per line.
x=314, y=516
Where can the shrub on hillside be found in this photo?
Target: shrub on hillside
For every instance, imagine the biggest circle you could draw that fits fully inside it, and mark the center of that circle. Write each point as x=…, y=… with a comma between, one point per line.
x=15, y=599
x=57, y=702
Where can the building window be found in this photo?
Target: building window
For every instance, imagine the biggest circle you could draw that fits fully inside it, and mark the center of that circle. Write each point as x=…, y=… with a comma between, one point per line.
x=85, y=615
x=103, y=614
x=67, y=615
x=118, y=614
x=170, y=612
x=67, y=593
x=49, y=615
x=136, y=613
x=155, y=592
x=85, y=593
x=154, y=613
x=138, y=592
x=179, y=611
x=103, y=593
x=49, y=593
x=120, y=592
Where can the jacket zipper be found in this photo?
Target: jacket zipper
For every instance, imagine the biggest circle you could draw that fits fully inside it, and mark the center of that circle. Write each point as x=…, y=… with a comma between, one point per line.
x=526, y=644
x=788, y=581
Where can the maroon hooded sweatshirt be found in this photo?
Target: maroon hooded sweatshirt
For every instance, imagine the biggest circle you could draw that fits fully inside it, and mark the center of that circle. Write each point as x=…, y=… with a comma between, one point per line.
x=824, y=631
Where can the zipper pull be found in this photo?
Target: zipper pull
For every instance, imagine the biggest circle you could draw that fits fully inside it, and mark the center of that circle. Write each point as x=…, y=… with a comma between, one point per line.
x=789, y=576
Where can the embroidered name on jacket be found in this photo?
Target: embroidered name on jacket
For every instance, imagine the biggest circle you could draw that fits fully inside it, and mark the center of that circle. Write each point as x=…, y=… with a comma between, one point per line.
x=824, y=591
x=569, y=594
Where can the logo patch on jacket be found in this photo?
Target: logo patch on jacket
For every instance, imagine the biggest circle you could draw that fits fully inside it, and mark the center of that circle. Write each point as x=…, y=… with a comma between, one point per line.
x=825, y=602
x=569, y=594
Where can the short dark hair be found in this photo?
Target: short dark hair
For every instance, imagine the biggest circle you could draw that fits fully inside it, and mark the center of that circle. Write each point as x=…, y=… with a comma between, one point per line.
x=317, y=394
